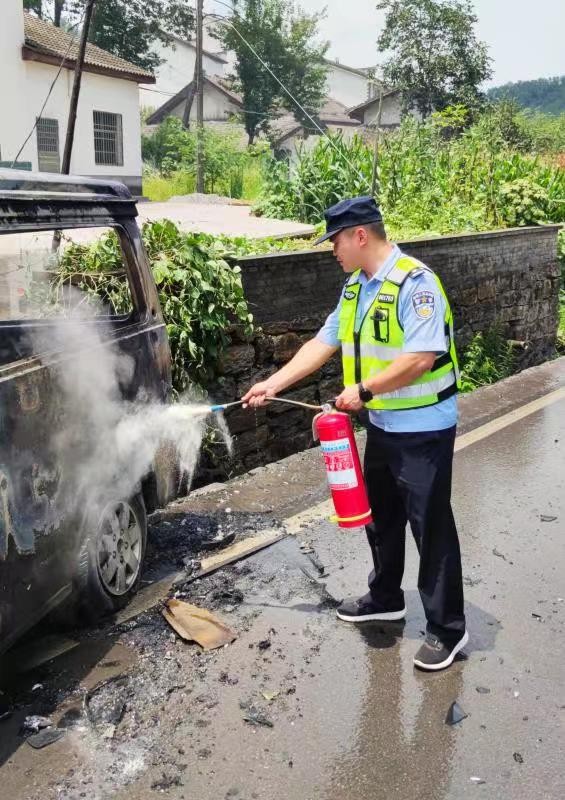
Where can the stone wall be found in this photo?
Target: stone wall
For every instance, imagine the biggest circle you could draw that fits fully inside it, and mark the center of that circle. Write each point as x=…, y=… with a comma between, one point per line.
x=509, y=276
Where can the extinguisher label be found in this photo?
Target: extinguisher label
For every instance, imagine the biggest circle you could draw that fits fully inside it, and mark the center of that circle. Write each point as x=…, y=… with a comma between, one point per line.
x=339, y=464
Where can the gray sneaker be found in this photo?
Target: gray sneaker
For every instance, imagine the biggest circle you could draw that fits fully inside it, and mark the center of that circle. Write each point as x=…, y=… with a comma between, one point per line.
x=433, y=654
x=362, y=609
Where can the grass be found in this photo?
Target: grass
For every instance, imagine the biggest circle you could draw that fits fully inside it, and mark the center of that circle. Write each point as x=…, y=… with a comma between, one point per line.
x=253, y=180
x=159, y=188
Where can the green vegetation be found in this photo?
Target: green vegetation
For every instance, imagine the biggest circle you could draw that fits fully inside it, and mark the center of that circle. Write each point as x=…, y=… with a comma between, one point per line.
x=200, y=292
x=435, y=58
x=285, y=39
x=432, y=179
x=127, y=29
x=230, y=168
x=458, y=171
x=544, y=134
x=488, y=359
x=543, y=94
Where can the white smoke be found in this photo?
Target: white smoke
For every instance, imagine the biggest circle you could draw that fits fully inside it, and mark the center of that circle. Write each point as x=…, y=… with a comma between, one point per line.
x=103, y=442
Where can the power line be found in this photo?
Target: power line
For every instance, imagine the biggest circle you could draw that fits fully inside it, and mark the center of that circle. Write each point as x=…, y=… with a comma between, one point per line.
x=55, y=79
x=287, y=91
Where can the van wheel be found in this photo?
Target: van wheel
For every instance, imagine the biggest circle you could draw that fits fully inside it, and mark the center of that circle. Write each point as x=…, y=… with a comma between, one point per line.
x=115, y=554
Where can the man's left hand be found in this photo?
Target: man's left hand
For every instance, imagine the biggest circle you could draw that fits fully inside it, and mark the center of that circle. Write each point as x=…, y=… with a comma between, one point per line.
x=349, y=400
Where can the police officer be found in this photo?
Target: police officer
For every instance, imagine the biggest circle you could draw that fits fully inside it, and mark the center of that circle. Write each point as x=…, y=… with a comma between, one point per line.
x=394, y=325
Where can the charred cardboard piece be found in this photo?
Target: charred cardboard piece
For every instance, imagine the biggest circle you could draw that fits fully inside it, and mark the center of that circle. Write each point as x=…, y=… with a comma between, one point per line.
x=199, y=625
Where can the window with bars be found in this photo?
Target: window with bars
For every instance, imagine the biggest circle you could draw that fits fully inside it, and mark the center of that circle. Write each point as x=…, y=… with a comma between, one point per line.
x=48, y=145
x=108, y=141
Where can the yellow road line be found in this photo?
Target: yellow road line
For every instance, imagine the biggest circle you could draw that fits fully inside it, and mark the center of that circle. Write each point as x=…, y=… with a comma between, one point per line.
x=467, y=439
x=325, y=509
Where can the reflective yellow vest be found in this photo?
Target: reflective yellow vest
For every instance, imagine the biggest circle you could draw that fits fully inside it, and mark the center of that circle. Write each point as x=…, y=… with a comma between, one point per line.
x=380, y=339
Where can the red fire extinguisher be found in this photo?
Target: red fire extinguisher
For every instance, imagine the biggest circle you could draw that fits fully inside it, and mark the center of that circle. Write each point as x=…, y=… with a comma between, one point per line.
x=343, y=467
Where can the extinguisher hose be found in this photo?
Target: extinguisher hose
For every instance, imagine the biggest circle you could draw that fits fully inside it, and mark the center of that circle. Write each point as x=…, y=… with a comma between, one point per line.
x=326, y=407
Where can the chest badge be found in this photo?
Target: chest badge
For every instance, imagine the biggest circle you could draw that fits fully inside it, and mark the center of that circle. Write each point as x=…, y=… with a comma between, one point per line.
x=385, y=298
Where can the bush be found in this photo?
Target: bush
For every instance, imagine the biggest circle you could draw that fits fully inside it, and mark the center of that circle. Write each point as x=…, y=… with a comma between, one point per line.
x=545, y=131
x=200, y=293
x=170, y=161
x=428, y=183
x=523, y=202
x=488, y=359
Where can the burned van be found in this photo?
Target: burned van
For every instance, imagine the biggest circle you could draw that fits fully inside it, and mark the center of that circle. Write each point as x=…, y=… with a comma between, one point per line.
x=73, y=521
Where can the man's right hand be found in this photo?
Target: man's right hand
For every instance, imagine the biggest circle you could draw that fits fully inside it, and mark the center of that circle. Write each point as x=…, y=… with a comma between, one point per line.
x=311, y=356
x=258, y=394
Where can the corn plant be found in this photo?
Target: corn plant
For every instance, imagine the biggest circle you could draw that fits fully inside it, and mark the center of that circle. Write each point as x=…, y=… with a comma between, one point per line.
x=428, y=182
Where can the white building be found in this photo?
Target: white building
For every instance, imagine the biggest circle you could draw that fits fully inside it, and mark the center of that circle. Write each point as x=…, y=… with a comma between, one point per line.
x=289, y=136
x=348, y=85
x=220, y=103
x=390, y=110
x=345, y=85
x=107, y=135
x=367, y=113
x=176, y=70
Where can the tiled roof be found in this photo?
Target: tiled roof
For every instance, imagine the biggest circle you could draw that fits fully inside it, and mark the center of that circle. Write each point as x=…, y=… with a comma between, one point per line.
x=332, y=112
x=362, y=106
x=180, y=97
x=362, y=71
x=45, y=39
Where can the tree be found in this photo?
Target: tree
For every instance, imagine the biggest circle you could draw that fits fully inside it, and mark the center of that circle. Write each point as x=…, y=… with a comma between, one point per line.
x=435, y=59
x=304, y=69
x=543, y=94
x=285, y=40
x=127, y=28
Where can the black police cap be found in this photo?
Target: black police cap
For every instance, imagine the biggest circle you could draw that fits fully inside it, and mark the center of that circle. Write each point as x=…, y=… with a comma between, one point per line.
x=348, y=214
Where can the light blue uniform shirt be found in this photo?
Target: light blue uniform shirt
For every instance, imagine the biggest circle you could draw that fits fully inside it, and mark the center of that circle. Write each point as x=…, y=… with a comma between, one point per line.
x=422, y=334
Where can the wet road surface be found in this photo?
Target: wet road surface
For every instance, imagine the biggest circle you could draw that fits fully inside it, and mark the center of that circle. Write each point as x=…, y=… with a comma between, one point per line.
x=351, y=716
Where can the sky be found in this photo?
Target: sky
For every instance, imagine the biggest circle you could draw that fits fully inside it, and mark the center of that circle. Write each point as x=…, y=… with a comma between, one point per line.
x=526, y=39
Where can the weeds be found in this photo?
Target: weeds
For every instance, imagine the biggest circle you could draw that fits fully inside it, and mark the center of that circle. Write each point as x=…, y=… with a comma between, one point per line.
x=488, y=359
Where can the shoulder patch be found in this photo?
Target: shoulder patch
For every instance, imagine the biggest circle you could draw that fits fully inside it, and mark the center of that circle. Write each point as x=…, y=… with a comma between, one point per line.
x=424, y=303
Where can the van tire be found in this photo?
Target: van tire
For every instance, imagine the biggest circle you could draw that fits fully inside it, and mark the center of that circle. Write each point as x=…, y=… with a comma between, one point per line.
x=115, y=543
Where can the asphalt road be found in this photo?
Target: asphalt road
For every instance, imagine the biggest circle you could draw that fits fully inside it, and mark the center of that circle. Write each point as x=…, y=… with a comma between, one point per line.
x=351, y=716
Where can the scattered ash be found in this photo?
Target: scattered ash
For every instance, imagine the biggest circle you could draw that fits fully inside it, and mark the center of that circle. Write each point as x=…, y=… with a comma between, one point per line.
x=177, y=541
x=160, y=712
x=217, y=591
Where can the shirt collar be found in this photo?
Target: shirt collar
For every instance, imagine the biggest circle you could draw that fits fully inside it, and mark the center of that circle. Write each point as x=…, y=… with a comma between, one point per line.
x=385, y=267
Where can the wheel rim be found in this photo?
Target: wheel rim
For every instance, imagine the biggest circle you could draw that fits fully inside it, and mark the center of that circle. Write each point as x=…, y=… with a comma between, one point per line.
x=119, y=543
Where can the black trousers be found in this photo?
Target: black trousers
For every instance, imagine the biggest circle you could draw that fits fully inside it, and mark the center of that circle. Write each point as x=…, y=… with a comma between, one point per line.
x=408, y=477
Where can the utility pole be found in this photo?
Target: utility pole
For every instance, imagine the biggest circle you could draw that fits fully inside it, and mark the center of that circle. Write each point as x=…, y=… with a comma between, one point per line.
x=66, y=165
x=375, y=176
x=199, y=99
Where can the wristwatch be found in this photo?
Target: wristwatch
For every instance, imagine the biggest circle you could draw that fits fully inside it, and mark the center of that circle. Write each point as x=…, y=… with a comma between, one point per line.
x=365, y=395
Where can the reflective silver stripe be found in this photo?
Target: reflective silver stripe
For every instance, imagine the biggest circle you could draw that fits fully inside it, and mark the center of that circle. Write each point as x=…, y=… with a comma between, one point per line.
x=451, y=335
x=380, y=352
x=421, y=389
